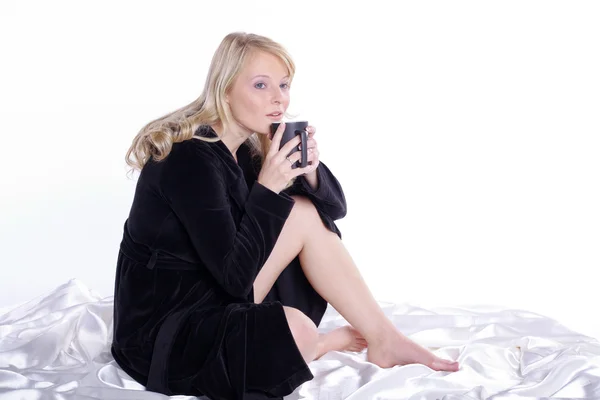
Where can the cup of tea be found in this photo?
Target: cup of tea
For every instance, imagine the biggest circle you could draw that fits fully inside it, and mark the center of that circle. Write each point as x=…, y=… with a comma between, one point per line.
x=293, y=129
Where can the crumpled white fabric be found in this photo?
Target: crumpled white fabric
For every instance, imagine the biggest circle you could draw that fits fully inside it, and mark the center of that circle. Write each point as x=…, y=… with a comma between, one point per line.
x=57, y=346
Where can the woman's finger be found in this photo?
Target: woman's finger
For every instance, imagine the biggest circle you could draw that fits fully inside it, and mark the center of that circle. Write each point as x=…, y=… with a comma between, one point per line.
x=311, y=143
x=276, y=139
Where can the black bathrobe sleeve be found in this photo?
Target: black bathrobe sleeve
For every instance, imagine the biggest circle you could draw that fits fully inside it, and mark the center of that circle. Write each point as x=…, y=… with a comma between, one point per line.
x=328, y=198
x=196, y=190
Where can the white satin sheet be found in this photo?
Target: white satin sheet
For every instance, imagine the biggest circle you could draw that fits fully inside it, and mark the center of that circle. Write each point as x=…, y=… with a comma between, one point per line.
x=57, y=346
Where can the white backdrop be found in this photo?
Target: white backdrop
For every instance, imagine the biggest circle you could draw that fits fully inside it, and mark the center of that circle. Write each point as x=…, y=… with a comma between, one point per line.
x=465, y=135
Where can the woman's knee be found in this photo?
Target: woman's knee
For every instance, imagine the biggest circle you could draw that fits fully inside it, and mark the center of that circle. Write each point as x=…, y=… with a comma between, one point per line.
x=304, y=331
x=304, y=211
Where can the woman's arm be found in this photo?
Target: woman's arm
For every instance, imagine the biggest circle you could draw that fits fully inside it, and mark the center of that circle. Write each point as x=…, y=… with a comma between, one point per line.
x=328, y=196
x=197, y=193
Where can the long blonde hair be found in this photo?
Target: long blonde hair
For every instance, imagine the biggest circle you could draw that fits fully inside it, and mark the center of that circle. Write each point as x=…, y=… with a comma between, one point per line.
x=155, y=140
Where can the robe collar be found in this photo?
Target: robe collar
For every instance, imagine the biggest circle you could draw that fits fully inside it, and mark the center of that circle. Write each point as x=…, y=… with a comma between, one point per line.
x=232, y=168
x=238, y=188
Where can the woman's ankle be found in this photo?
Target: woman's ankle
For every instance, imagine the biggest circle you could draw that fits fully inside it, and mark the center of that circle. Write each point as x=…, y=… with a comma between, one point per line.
x=383, y=334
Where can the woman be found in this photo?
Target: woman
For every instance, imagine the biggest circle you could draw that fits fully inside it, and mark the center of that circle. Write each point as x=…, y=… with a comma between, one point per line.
x=229, y=255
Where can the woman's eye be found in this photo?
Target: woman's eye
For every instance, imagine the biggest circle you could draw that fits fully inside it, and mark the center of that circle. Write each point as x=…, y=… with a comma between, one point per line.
x=287, y=86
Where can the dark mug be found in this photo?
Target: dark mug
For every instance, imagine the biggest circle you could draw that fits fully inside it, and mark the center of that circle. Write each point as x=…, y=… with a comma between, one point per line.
x=292, y=129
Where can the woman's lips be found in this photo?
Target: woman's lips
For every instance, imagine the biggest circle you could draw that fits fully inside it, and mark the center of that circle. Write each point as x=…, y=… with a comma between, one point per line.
x=275, y=117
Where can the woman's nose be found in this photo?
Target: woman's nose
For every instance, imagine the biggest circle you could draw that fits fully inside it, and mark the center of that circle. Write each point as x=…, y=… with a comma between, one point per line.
x=277, y=96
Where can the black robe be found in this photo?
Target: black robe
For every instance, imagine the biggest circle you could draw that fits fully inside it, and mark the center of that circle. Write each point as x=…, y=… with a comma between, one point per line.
x=199, y=230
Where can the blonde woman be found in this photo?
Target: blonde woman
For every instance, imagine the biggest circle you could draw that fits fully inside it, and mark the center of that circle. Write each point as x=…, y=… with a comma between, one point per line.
x=229, y=255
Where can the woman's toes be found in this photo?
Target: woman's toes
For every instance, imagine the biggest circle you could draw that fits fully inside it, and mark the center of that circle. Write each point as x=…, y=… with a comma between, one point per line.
x=358, y=345
x=444, y=365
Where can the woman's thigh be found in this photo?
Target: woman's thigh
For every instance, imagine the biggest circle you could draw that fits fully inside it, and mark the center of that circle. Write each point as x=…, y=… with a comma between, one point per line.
x=291, y=240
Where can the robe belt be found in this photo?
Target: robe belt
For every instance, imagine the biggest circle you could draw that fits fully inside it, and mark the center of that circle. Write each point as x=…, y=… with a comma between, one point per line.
x=149, y=257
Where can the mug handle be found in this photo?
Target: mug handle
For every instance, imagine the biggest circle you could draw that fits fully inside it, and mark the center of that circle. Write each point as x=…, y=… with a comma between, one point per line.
x=304, y=142
x=303, y=162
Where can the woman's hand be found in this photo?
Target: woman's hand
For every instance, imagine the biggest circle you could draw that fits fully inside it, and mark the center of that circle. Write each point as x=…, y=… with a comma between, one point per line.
x=313, y=156
x=277, y=170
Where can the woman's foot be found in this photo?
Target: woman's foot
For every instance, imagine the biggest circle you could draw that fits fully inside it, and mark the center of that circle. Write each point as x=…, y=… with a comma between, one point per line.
x=345, y=338
x=400, y=350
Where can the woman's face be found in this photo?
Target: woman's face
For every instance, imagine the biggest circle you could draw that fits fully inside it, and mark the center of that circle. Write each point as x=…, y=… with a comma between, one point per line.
x=261, y=89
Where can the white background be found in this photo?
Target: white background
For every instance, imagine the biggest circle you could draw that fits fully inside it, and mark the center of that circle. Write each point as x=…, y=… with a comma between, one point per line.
x=465, y=135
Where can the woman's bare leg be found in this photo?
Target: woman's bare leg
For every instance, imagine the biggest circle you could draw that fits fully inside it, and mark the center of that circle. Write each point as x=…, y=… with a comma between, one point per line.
x=288, y=246
x=331, y=271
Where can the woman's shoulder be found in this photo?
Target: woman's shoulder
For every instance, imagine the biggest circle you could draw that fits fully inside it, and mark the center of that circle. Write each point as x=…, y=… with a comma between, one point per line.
x=190, y=157
x=189, y=164
x=190, y=154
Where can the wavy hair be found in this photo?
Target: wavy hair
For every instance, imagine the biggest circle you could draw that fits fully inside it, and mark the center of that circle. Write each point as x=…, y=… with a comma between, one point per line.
x=155, y=140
